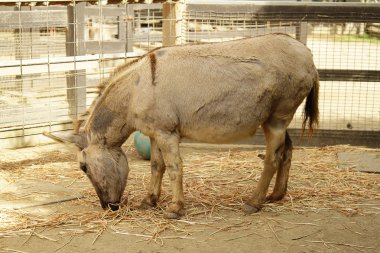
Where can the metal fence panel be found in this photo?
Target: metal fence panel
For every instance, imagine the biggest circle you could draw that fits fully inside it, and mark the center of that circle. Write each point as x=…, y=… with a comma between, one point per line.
x=344, y=42
x=52, y=57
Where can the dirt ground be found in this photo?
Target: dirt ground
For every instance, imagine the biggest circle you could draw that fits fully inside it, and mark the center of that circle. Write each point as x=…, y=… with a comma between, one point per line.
x=327, y=209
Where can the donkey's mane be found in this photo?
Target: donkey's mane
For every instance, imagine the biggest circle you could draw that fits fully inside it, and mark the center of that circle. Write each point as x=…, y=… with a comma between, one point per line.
x=102, y=86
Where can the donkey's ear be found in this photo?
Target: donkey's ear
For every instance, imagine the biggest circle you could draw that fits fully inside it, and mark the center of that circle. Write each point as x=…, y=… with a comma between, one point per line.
x=78, y=140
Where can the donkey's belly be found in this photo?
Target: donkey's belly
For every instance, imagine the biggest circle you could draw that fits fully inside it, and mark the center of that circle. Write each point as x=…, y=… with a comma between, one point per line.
x=224, y=121
x=221, y=132
x=218, y=138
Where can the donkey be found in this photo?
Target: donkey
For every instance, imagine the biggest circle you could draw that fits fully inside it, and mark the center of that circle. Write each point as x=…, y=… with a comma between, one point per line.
x=215, y=93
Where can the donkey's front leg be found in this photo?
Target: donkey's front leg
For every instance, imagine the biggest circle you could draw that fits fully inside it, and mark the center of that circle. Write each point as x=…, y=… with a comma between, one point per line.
x=169, y=146
x=157, y=170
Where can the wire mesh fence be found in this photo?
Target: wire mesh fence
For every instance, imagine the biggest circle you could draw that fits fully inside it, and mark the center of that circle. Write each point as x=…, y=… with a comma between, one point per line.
x=340, y=49
x=52, y=57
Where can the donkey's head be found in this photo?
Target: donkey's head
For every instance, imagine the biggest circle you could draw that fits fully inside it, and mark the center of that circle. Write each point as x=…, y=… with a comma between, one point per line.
x=107, y=168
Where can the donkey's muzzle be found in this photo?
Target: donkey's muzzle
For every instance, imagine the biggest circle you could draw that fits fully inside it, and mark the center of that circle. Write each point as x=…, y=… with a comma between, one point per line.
x=113, y=206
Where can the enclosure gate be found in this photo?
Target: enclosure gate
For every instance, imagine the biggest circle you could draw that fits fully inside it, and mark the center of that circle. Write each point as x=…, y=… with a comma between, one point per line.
x=53, y=56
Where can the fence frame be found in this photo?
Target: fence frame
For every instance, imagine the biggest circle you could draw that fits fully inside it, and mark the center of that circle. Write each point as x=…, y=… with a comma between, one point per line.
x=301, y=12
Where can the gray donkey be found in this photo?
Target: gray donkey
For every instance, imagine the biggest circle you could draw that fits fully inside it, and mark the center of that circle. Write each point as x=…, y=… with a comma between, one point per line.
x=215, y=93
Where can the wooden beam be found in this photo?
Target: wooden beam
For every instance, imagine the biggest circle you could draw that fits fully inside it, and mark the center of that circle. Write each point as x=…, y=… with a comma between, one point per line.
x=129, y=28
x=326, y=137
x=169, y=35
x=349, y=75
x=296, y=11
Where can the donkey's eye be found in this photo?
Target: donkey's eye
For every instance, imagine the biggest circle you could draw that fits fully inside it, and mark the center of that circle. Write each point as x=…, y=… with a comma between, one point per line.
x=83, y=167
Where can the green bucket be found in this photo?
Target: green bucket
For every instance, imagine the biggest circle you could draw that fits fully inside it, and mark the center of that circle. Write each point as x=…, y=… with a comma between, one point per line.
x=142, y=145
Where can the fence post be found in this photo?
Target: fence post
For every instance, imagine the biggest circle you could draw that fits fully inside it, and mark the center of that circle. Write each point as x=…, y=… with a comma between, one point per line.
x=75, y=46
x=130, y=19
x=23, y=50
x=169, y=31
x=301, y=32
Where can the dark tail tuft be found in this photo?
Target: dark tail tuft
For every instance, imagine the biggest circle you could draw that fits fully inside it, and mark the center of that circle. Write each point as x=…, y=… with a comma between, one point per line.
x=311, y=111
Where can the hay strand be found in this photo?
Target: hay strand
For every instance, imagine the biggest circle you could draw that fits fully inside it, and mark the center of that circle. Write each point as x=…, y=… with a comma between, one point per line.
x=215, y=181
x=342, y=244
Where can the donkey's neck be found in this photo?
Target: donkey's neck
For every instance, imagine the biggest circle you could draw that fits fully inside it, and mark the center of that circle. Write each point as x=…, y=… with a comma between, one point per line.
x=108, y=127
x=110, y=121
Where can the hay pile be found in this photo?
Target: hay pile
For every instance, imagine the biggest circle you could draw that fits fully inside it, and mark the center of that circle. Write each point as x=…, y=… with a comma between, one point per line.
x=215, y=181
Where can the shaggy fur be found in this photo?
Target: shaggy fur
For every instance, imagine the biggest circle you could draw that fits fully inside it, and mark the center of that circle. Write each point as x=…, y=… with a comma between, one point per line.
x=214, y=93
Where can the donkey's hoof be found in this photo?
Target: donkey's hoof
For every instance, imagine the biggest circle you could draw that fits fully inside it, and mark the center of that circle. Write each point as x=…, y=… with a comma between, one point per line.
x=174, y=210
x=249, y=209
x=171, y=215
x=274, y=197
x=146, y=206
x=148, y=203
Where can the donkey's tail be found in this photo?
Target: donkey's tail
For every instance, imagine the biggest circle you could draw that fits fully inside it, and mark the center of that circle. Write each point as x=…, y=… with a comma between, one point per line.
x=311, y=111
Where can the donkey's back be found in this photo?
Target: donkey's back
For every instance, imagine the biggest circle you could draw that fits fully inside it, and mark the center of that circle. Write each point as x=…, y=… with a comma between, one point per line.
x=222, y=92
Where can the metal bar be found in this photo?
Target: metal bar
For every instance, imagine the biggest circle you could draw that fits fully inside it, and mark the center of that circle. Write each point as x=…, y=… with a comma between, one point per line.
x=58, y=64
x=27, y=135
x=63, y=64
x=301, y=32
x=106, y=46
x=121, y=29
x=196, y=36
x=67, y=59
x=141, y=37
x=106, y=11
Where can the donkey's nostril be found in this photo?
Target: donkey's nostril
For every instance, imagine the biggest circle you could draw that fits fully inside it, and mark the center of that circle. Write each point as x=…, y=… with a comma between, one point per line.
x=113, y=207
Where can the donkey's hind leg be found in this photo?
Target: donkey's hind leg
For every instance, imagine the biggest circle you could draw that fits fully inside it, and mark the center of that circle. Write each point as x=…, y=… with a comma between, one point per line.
x=274, y=131
x=157, y=170
x=282, y=177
